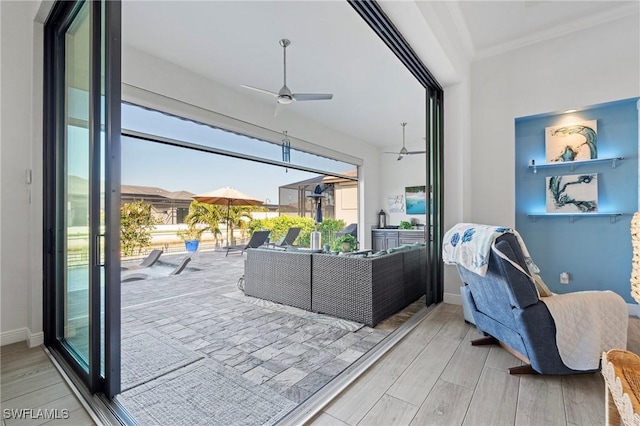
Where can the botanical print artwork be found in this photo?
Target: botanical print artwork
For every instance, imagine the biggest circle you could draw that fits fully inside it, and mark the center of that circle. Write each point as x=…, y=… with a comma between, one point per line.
x=416, y=199
x=572, y=194
x=395, y=203
x=572, y=142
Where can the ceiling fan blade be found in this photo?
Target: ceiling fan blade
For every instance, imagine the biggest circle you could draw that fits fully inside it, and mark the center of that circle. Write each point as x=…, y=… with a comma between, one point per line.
x=389, y=152
x=266, y=92
x=416, y=152
x=401, y=157
x=311, y=96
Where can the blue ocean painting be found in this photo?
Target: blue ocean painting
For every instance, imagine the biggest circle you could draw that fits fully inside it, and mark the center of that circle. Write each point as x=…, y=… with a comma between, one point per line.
x=416, y=199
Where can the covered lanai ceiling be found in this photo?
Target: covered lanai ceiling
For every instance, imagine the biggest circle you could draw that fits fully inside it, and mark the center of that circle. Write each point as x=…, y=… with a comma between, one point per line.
x=333, y=51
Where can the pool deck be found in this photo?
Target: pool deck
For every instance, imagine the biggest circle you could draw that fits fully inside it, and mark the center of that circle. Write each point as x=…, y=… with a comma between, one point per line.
x=180, y=331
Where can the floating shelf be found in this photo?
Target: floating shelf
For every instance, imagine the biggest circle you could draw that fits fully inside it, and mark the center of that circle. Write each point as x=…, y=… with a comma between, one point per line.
x=574, y=164
x=613, y=217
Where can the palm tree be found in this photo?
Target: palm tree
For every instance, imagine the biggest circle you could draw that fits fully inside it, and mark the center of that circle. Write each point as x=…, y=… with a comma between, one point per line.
x=208, y=214
x=237, y=216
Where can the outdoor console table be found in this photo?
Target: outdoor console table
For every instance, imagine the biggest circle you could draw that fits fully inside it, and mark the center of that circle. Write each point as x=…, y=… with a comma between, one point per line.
x=621, y=371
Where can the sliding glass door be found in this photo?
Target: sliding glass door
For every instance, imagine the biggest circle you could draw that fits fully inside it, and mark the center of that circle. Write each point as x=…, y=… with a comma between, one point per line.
x=373, y=14
x=82, y=181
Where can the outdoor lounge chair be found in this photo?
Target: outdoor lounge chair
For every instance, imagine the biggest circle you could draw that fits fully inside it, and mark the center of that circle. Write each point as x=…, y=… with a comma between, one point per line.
x=136, y=276
x=288, y=239
x=257, y=239
x=351, y=229
x=147, y=261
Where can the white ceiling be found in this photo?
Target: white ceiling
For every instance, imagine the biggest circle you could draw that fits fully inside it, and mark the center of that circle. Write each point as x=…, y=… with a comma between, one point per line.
x=496, y=26
x=333, y=51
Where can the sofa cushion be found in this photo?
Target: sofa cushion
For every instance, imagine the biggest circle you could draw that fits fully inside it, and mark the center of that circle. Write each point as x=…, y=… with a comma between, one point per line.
x=378, y=253
x=399, y=248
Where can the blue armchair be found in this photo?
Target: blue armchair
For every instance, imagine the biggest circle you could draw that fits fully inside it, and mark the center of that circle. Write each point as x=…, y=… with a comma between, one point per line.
x=506, y=307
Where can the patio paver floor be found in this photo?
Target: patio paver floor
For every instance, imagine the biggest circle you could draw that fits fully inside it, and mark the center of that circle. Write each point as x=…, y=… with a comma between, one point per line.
x=279, y=356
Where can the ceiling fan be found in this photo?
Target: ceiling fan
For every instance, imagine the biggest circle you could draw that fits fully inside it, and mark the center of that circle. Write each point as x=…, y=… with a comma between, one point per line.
x=404, y=150
x=284, y=96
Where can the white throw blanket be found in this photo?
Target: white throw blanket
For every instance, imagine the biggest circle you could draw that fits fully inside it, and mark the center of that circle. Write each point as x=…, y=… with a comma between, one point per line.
x=587, y=324
x=469, y=245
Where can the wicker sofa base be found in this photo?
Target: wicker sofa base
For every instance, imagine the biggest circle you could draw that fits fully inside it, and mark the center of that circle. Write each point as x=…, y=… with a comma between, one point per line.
x=366, y=290
x=279, y=276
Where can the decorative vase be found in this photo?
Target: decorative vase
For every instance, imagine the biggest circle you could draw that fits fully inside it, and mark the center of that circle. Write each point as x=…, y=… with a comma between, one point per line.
x=346, y=247
x=191, y=245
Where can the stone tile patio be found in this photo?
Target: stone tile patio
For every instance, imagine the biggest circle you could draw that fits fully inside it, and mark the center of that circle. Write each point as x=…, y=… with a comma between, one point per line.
x=196, y=323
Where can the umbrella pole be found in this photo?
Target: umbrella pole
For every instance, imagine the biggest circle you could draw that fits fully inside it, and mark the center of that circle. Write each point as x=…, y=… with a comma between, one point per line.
x=229, y=242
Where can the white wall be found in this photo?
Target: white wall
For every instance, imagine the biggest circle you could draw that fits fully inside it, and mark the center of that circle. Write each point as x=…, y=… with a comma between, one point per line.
x=584, y=68
x=21, y=147
x=155, y=75
x=396, y=175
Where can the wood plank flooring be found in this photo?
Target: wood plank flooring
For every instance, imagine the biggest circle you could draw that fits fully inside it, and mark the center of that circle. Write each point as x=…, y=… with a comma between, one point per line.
x=435, y=377
x=32, y=391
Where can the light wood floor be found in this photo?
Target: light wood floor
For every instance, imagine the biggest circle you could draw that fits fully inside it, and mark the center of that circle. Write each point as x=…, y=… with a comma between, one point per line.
x=30, y=381
x=435, y=377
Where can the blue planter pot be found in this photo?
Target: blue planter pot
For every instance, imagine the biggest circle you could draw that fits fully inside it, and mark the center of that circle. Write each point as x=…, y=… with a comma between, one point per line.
x=191, y=245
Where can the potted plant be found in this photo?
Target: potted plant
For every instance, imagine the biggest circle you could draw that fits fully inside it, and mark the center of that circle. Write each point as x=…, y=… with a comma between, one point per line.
x=191, y=237
x=405, y=224
x=346, y=243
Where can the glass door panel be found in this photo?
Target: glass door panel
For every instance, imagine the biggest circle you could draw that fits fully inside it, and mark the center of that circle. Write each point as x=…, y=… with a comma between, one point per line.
x=82, y=201
x=75, y=188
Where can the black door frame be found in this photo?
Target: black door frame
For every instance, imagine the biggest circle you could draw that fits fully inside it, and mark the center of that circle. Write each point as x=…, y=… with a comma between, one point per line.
x=380, y=23
x=105, y=18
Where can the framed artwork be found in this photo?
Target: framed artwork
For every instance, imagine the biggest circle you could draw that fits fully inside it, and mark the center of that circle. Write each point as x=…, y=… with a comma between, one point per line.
x=573, y=142
x=416, y=199
x=572, y=194
x=395, y=203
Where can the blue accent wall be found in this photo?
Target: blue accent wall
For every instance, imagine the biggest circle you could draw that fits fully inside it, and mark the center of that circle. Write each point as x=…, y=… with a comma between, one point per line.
x=596, y=253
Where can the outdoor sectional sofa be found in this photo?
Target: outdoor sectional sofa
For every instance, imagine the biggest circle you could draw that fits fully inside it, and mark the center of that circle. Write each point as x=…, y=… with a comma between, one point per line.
x=361, y=289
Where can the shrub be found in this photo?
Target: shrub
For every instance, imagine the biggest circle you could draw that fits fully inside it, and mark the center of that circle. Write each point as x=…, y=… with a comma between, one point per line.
x=328, y=228
x=281, y=224
x=136, y=224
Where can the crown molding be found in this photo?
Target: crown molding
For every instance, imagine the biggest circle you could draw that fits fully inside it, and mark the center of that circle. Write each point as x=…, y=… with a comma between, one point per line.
x=632, y=8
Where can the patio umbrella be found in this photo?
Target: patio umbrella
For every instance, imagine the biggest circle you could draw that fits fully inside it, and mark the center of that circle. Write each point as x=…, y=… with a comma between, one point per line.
x=227, y=197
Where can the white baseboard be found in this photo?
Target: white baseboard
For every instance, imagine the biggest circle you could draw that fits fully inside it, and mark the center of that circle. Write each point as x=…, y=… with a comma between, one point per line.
x=35, y=339
x=14, y=336
x=634, y=309
x=22, y=335
x=454, y=299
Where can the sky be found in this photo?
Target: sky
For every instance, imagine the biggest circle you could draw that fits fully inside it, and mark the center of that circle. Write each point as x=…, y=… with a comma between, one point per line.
x=172, y=168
